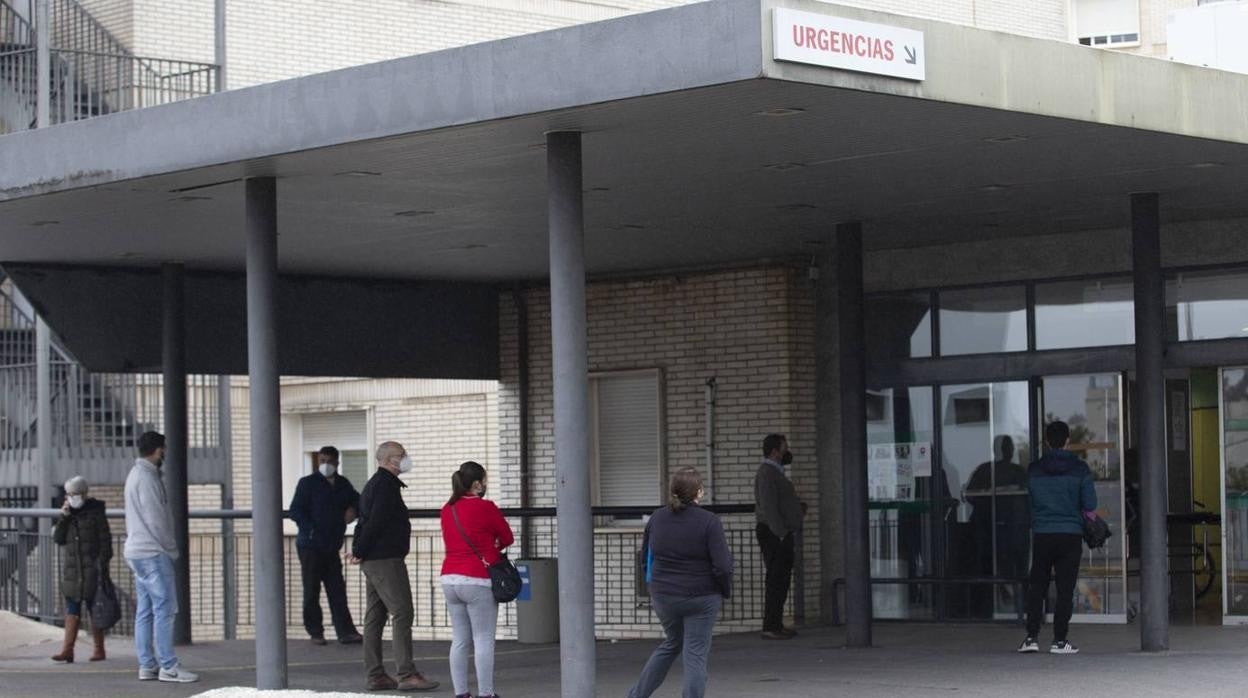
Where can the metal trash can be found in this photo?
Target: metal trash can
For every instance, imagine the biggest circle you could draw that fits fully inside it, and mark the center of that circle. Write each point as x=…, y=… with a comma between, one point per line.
x=537, y=606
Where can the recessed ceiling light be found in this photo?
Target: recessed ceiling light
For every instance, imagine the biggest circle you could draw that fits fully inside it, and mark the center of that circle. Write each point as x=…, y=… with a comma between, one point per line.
x=599, y=189
x=413, y=213
x=1206, y=165
x=780, y=111
x=40, y=224
x=633, y=226
x=994, y=187
x=1005, y=139
x=358, y=173
x=783, y=166
x=795, y=207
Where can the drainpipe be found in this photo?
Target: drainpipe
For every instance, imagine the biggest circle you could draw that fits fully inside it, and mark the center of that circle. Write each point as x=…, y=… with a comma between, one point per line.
x=711, y=389
x=522, y=360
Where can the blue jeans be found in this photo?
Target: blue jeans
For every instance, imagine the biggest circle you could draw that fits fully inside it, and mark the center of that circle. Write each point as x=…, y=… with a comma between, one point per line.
x=156, y=606
x=687, y=623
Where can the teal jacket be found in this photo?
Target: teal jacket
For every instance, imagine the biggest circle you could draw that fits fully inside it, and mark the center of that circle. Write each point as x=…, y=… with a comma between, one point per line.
x=1061, y=489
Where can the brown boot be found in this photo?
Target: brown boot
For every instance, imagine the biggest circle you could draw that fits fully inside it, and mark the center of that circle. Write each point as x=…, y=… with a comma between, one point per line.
x=98, y=654
x=71, y=635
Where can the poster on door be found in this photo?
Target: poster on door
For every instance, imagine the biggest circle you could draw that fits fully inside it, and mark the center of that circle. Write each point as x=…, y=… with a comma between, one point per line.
x=892, y=468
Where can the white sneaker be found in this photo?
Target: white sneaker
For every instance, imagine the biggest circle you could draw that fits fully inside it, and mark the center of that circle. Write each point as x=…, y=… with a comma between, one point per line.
x=1062, y=647
x=178, y=675
x=146, y=674
x=1029, y=645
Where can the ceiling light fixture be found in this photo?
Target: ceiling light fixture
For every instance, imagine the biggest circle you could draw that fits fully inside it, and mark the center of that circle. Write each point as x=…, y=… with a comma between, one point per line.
x=1206, y=165
x=780, y=111
x=796, y=207
x=783, y=166
x=633, y=226
x=358, y=173
x=193, y=198
x=413, y=213
x=40, y=224
x=994, y=187
x=1005, y=139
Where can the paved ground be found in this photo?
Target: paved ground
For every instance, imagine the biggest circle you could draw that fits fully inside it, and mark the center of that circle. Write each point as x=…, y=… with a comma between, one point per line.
x=909, y=660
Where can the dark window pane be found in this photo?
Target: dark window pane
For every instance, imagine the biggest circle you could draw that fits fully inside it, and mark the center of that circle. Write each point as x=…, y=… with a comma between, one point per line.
x=899, y=326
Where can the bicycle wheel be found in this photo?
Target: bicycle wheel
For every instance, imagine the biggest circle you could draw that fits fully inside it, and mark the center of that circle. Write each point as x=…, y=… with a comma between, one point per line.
x=1206, y=572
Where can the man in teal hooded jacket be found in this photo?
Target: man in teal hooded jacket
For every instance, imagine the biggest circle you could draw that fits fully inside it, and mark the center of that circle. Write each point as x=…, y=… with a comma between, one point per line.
x=1062, y=494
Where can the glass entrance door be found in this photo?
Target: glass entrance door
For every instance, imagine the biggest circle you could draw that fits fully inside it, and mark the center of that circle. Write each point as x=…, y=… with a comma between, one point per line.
x=1092, y=405
x=1234, y=403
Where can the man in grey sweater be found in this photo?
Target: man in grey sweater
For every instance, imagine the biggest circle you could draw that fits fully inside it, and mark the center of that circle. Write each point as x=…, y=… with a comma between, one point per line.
x=779, y=513
x=150, y=551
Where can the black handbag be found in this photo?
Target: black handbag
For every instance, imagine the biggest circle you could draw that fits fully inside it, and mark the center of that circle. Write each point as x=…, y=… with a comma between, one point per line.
x=1095, y=531
x=504, y=577
x=105, y=608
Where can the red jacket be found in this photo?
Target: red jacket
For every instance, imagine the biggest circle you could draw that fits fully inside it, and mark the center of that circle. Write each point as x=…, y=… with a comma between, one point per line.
x=485, y=525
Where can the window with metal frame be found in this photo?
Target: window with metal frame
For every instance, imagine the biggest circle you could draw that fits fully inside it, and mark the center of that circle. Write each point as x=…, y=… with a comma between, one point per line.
x=626, y=421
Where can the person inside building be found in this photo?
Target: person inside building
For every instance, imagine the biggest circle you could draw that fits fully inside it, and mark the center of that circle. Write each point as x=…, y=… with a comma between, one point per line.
x=1062, y=493
x=380, y=546
x=779, y=513
x=86, y=547
x=324, y=503
x=475, y=534
x=689, y=570
x=150, y=551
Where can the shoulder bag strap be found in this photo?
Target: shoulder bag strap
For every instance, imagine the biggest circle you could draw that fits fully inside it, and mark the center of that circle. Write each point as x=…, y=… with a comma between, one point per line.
x=462, y=532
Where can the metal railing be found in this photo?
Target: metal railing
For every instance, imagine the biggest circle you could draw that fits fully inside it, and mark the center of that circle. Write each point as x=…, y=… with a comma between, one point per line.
x=223, y=599
x=92, y=72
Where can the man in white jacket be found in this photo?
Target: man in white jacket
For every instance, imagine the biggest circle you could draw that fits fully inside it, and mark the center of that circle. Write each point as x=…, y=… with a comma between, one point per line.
x=150, y=551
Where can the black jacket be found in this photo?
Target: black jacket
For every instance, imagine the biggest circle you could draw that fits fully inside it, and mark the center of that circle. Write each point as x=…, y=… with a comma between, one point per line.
x=686, y=553
x=319, y=508
x=86, y=540
x=383, y=530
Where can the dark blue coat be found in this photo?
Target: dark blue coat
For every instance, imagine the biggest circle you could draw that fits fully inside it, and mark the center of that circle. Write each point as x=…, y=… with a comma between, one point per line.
x=318, y=508
x=1061, y=488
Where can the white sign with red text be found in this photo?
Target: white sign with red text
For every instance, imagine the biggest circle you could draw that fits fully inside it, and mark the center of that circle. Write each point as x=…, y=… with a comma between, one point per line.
x=834, y=42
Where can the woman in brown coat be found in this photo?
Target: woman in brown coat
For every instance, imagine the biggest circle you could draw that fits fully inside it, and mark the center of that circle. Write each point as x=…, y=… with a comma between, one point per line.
x=87, y=546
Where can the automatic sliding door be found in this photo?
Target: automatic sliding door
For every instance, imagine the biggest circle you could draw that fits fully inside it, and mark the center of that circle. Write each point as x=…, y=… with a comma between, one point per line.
x=1234, y=389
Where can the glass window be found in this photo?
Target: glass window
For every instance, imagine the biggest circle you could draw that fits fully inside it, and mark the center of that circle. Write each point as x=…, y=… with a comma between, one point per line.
x=982, y=321
x=1235, y=460
x=1072, y=314
x=626, y=419
x=899, y=464
x=899, y=326
x=1207, y=305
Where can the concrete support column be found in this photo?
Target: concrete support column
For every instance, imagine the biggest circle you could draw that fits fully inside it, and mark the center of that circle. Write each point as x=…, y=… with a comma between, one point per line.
x=266, y=429
x=1150, y=317
x=853, y=387
x=173, y=361
x=827, y=428
x=571, y=387
x=229, y=574
x=43, y=63
x=218, y=43
x=43, y=448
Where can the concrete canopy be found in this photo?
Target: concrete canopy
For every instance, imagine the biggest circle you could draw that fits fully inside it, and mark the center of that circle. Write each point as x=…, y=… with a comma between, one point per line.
x=699, y=150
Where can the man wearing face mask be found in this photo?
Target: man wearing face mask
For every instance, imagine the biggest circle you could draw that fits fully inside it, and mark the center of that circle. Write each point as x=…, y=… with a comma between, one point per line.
x=323, y=505
x=150, y=551
x=382, y=539
x=779, y=513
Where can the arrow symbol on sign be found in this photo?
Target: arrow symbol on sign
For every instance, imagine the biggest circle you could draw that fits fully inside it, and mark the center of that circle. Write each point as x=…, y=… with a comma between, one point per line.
x=912, y=57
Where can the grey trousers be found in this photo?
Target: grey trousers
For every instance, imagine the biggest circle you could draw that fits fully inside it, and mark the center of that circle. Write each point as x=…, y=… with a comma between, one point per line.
x=474, y=615
x=389, y=593
x=687, y=623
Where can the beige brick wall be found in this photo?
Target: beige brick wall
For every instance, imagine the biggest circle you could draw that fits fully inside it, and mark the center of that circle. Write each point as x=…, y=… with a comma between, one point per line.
x=751, y=329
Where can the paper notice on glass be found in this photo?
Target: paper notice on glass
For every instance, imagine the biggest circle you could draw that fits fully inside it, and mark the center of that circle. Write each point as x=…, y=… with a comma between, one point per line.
x=890, y=472
x=921, y=456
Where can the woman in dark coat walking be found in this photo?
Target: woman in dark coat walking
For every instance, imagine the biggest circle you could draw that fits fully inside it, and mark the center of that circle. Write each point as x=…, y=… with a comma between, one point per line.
x=87, y=546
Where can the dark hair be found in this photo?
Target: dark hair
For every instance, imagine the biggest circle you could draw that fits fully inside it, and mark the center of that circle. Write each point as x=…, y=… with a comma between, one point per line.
x=149, y=442
x=772, y=442
x=468, y=473
x=683, y=488
x=329, y=451
x=1056, y=434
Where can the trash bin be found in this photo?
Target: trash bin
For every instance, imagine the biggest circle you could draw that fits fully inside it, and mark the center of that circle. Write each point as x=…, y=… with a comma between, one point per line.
x=537, y=606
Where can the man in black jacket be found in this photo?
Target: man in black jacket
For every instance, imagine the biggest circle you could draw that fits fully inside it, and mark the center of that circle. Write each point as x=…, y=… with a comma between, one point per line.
x=323, y=505
x=382, y=540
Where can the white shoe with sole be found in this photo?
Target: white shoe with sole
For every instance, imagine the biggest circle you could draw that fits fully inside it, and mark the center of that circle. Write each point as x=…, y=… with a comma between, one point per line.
x=1062, y=647
x=177, y=674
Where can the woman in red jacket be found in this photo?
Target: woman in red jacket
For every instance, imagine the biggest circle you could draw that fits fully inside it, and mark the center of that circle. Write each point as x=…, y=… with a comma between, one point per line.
x=475, y=534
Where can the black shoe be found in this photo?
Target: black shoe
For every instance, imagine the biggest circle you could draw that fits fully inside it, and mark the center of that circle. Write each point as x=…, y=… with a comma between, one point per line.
x=351, y=639
x=319, y=640
x=1029, y=645
x=776, y=635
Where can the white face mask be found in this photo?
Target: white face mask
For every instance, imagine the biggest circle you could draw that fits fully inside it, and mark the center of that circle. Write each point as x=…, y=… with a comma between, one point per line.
x=405, y=465
x=75, y=501
x=328, y=469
